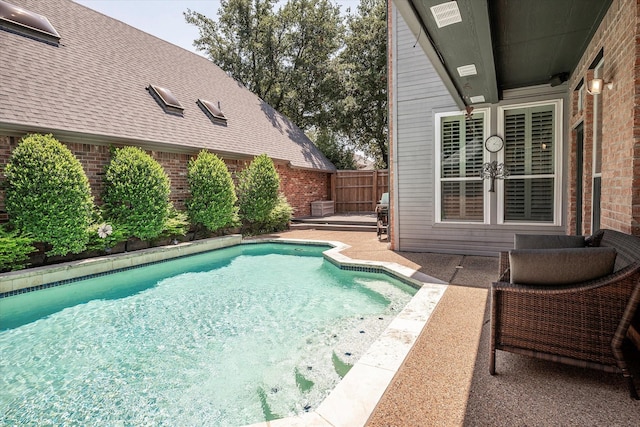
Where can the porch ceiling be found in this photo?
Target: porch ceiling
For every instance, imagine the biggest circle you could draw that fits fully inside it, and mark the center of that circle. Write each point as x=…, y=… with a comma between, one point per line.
x=512, y=43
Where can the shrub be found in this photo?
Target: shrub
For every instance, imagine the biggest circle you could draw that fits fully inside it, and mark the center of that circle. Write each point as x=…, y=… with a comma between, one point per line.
x=279, y=216
x=258, y=188
x=213, y=197
x=136, y=193
x=177, y=224
x=14, y=251
x=48, y=194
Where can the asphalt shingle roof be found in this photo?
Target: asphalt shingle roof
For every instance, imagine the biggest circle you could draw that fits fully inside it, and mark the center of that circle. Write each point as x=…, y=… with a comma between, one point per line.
x=94, y=84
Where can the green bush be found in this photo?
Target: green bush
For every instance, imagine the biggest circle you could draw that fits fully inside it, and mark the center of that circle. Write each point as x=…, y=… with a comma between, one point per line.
x=279, y=216
x=48, y=194
x=177, y=224
x=136, y=193
x=14, y=251
x=258, y=187
x=213, y=197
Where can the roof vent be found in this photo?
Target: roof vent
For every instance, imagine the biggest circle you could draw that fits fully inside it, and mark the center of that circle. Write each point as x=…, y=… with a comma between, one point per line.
x=167, y=101
x=446, y=13
x=26, y=23
x=214, y=112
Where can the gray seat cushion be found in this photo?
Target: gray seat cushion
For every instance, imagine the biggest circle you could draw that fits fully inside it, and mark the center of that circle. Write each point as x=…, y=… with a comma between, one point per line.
x=547, y=241
x=560, y=266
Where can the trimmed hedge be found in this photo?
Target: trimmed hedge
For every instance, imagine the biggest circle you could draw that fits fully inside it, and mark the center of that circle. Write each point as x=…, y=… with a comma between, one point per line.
x=48, y=194
x=258, y=187
x=213, y=196
x=136, y=193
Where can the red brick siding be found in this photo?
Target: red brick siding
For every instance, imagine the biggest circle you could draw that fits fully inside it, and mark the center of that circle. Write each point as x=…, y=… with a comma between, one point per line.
x=301, y=187
x=619, y=38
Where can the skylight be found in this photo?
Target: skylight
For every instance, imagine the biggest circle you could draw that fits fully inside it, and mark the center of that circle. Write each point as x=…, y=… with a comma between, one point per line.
x=446, y=13
x=213, y=111
x=24, y=22
x=166, y=99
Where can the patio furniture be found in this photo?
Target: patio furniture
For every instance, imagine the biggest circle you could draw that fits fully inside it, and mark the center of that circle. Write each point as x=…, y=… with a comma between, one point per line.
x=382, y=216
x=549, y=316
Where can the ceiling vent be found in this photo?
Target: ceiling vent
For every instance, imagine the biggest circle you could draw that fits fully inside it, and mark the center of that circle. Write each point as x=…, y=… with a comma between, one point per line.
x=476, y=99
x=446, y=13
x=26, y=23
x=166, y=99
x=467, y=70
x=212, y=110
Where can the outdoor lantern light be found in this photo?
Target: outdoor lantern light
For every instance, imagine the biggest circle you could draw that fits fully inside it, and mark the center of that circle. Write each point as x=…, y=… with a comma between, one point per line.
x=594, y=86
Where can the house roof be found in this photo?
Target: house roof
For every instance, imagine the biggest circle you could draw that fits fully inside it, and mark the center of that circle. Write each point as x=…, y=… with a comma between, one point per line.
x=512, y=43
x=93, y=86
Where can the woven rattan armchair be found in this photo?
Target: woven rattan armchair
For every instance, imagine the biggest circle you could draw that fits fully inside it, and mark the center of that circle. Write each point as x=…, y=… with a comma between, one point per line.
x=583, y=324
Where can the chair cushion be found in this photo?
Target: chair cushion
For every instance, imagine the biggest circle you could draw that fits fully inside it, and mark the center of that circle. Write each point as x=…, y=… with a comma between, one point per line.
x=560, y=266
x=595, y=239
x=547, y=241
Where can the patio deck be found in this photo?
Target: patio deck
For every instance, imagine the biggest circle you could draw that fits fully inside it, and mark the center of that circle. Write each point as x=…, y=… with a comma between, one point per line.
x=445, y=381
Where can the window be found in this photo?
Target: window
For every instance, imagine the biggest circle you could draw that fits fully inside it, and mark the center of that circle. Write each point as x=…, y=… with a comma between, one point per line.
x=461, y=191
x=531, y=152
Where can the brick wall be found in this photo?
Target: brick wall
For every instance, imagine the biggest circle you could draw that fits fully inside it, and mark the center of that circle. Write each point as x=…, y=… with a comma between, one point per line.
x=301, y=187
x=618, y=37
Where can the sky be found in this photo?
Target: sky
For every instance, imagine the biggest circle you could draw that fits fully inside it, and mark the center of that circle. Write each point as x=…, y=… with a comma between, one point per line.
x=165, y=19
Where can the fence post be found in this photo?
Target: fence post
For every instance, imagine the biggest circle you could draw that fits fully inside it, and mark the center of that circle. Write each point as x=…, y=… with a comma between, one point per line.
x=374, y=176
x=332, y=190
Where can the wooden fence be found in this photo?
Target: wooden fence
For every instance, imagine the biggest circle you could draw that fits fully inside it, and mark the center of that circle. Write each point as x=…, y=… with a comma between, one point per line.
x=359, y=190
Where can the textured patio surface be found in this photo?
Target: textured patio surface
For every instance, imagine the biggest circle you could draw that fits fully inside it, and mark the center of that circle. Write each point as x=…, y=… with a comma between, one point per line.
x=444, y=380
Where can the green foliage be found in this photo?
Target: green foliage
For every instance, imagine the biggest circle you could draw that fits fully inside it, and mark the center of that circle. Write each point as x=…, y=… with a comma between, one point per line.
x=333, y=149
x=279, y=216
x=177, y=224
x=103, y=236
x=136, y=193
x=258, y=187
x=48, y=194
x=14, y=250
x=213, y=196
x=277, y=220
x=283, y=56
x=362, y=110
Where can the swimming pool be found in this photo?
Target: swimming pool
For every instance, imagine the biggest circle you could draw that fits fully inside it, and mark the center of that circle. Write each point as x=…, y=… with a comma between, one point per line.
x=150, y=350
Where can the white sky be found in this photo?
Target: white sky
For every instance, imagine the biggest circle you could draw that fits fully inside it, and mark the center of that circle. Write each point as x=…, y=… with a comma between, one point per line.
x=165, y=19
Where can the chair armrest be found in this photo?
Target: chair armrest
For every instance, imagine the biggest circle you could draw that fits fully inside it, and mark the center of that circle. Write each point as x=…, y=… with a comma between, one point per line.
x=503, y=267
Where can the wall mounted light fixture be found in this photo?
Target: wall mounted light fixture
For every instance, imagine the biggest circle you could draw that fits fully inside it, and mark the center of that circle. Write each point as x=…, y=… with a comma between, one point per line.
x=594, y=86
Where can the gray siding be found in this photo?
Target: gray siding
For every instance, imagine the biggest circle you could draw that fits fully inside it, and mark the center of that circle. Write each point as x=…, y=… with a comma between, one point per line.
x=419, y=93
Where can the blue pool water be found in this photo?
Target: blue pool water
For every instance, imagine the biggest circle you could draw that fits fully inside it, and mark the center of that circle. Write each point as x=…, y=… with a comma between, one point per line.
x=225, y=338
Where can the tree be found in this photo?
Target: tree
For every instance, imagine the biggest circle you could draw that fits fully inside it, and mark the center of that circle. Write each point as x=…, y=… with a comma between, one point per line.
x=333, y=148
x=284, y=57
x=363, y=110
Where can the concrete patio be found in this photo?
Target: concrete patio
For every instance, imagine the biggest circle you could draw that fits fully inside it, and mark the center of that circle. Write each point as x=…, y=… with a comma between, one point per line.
x=445, y=379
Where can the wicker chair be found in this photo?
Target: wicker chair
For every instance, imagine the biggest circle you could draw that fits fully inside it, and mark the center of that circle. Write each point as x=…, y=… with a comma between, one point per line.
x=581, y=324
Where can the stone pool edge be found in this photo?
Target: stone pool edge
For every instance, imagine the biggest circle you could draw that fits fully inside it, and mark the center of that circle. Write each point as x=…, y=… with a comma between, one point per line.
x=14, y=282
x=354, y=398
